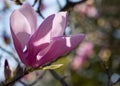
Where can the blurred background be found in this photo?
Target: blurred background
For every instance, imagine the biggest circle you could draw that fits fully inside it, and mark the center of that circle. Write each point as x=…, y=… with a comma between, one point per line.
x=95, y=62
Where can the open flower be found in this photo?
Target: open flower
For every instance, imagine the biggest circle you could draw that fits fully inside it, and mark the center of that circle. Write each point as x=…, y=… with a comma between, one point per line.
x=38, y=46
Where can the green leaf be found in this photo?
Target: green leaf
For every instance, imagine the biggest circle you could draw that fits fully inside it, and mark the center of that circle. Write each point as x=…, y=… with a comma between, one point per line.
x=55, y=66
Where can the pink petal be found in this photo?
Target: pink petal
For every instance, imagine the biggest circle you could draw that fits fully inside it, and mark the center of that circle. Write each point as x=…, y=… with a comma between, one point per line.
x=59, y=46
x=40, y=39
x=18, y=46
x=48, y=29
x=43, y=33
x=77, y=62
x=23, y=23
x=32, y=52
x=30, y=15
x=59, y=24
x=20, y=27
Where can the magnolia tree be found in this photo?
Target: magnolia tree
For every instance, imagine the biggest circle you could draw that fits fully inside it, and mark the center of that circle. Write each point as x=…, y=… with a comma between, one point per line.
x=77, y=42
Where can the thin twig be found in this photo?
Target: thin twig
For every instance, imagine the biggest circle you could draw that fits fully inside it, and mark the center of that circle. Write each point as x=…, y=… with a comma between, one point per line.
x=23, y=83
x=9, y=53
x=22, y=75
x=67, y=1
x=60, y=79
x=18, y=2
x=108, y=72
x=59, y=4
x=32, y=84
x=38, y=9
x=18, y=78
x=34, y=3
x=40, y=77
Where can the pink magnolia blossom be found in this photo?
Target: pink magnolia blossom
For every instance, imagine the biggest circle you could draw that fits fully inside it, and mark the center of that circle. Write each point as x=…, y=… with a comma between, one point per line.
x=86, y=9
x=38, y=46
x=84, y=51
x=42, y=6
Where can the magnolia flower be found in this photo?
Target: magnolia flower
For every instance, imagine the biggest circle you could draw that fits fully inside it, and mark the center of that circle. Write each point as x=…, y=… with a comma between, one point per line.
x=85, y=50
x=86, y=9
x=38, y=46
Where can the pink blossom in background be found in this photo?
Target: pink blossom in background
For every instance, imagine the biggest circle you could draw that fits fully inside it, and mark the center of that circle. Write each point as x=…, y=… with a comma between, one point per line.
x=86, y=9
x=43, y=6
x=77, y=62
x=38, y=46
x=31, y=77
x=84, y=51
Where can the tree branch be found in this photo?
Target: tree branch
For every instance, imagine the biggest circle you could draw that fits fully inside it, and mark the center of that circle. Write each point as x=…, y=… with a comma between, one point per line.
x=34, y=3
x=32, y=84
x=17, y=78
x=38, y=9
x=9, y=53
x=108, y=72
x=60, y=79
x=59, y=4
